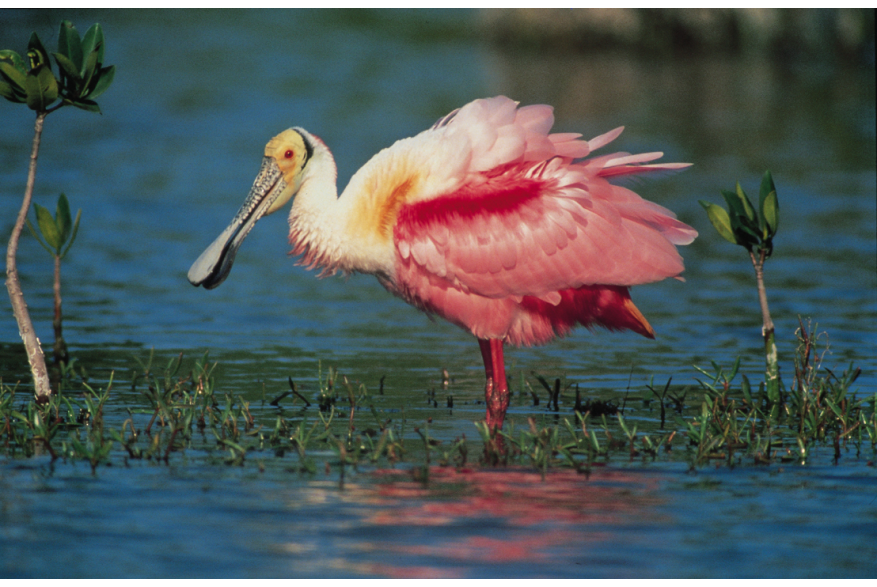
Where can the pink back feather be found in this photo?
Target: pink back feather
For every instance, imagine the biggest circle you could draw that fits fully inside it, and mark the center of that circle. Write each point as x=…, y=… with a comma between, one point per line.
x=532, y=243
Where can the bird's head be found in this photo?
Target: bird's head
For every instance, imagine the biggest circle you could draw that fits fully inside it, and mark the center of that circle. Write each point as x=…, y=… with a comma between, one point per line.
x=284, y=168
x=286, y=157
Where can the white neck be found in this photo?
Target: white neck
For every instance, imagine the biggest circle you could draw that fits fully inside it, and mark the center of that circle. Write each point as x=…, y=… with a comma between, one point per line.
x=323, y=225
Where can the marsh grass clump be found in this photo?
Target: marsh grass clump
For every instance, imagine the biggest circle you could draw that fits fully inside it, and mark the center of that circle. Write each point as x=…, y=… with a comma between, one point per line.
x=816, y=407
x=177, y=410
x=820, y=406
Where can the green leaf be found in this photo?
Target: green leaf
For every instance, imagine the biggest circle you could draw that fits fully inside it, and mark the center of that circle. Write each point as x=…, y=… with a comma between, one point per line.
x=37, y=53
x=71, y=83
x=12, y=67
x=41, y=87
x=770, y=211
x=747, y=205
x=720, y=220
x=72, y=236
x=68, y=68
x=766, y=187
x=88, y=105
x=62, y=218
x=745, y=235
x=737, y=210
x=36, y=236
x=7, y=91
x=88, y=41
x=88, y=70
x=734, y=204
x=48, y=228
x=93, y=50
x=103, y=82
x=746, y=388
x=70, y=45
x=734, y=369
x=93, y=42
x=834, y=407
x=12, y=76
x=14, y=59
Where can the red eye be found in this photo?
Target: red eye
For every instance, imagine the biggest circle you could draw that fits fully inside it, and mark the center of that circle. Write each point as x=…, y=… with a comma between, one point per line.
x=289, y=154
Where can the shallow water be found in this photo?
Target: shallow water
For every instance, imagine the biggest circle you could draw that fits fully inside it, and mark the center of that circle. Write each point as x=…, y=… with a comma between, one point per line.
x=186, y=520
x=165, y=167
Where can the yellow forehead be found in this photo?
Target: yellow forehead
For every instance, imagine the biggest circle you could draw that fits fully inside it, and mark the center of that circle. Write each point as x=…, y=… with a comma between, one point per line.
x=288, y=149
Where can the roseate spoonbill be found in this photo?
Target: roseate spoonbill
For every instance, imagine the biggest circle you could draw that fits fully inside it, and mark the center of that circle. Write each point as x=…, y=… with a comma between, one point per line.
x=485, y=219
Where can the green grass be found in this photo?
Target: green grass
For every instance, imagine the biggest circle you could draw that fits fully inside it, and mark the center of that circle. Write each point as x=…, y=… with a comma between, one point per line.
x=178, y=410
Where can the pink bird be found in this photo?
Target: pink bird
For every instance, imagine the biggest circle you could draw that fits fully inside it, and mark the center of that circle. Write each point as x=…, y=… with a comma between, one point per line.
x=485, y=219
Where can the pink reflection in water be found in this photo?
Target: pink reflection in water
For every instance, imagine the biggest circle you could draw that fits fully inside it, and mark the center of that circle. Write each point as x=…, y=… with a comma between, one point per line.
x=503, y=516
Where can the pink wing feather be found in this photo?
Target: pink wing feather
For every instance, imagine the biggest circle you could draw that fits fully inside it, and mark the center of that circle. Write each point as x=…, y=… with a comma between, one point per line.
x=531, y=240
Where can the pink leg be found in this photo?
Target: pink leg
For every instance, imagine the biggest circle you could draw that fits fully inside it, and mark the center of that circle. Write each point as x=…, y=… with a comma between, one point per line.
x=496, y=391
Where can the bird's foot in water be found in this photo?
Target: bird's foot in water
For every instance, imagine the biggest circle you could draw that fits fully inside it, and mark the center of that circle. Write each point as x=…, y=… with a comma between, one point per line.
x=497, y=399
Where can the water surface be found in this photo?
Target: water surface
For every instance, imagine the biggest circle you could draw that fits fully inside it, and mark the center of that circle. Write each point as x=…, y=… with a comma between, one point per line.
x=164, y=168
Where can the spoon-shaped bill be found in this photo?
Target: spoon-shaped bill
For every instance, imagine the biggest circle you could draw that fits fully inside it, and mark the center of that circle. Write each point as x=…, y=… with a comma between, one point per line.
x=214, y=264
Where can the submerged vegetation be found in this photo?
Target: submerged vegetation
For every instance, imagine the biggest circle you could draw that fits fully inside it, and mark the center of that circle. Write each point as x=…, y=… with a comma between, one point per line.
x=179, y=411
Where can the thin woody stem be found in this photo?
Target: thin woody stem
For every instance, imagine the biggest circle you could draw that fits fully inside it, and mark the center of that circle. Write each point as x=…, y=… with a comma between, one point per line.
x=772, y=371
x=758, y=264
x=60, y=348
x=35, y=357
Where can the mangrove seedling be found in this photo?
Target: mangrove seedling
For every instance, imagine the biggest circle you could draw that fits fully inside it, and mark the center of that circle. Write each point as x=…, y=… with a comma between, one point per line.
x=82, y=77
x=58, y=234
x=742, y=225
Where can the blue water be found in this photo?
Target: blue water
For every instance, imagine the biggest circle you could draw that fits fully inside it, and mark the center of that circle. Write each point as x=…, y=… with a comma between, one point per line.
x=164, y=167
